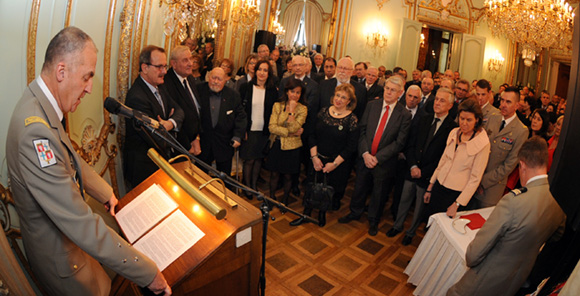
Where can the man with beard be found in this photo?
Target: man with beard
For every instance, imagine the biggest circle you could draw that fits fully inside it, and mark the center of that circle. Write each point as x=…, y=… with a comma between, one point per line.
x=344, y=71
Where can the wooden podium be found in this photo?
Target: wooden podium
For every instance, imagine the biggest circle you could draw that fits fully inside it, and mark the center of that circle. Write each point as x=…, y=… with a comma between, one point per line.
x=214, y=265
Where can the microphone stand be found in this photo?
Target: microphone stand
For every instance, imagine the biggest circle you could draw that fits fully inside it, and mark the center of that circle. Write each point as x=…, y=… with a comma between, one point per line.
x=162, y=134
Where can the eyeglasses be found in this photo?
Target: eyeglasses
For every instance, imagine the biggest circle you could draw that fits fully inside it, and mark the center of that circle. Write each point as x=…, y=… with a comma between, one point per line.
x=344, y=69
x=159, y=67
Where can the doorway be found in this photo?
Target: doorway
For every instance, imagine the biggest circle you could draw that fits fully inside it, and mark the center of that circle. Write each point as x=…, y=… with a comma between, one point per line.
x=435, y=49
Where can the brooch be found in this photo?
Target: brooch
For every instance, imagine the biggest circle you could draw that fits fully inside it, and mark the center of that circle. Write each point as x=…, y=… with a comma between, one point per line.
x=340, y=127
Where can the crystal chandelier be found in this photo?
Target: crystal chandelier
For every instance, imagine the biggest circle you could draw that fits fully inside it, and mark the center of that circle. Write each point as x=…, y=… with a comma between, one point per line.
x=534, y=24
x=180, y=14
x=278, y=30
x=245, y=16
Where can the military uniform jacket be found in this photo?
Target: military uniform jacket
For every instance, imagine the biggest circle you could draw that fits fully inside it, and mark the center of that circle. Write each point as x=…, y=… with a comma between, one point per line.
x=503, y=252
x=505, y=145
x=62, y=236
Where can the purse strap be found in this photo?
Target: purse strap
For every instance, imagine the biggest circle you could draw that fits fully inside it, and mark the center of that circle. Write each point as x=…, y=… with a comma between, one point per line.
x=316, y=178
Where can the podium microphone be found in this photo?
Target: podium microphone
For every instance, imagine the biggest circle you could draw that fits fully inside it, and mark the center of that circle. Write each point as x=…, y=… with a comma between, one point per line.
x=118, y=108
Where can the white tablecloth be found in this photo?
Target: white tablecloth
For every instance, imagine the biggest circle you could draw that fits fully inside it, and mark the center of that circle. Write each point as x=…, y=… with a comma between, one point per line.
x=439, y=262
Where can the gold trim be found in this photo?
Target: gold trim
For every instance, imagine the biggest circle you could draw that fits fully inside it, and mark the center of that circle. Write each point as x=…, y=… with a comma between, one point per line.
x=146, y=34
x=442, y=24
x=31, y=46
x=67, y=13
x=340, y=17
x=137, y=40
x=332, y=27
x=347, y=22
x=514, y=48
x=108, y=126
x=124, y=59
x=540, y=67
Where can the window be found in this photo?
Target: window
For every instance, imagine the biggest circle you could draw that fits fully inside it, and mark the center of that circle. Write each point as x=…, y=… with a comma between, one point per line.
x=300, y=38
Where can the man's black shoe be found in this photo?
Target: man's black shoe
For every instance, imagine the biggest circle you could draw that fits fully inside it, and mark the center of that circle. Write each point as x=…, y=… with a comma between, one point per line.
x=373, y=230
x=407, y=240
x=392, y=232
x=348, y=218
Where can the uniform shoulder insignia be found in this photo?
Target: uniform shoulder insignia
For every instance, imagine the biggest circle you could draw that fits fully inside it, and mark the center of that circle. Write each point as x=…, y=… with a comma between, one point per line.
x=519, y=191
x=44, y=152
x=33, y=119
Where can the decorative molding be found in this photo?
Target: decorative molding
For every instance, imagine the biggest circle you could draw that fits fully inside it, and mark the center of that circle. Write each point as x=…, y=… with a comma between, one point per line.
x=31, y=46
x=124, y=58
x=453, y=7
x=137, y=40
x=146, y=34
x=91, y=144
x=67, y=13
x=434, y=18
x=380, y=3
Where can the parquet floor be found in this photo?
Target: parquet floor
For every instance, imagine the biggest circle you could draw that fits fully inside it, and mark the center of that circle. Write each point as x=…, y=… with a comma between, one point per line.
x=337, y=259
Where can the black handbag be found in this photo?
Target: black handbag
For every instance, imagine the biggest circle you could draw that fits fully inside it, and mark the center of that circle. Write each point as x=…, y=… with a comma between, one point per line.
x=318, y=195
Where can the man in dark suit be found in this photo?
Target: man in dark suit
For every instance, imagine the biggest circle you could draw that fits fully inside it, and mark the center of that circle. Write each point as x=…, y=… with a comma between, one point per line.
x=503, y=252
x=208, y=59
x=299, y=65
x=317, y=70
x=360, y=72
x=426, y=145
x=416, y=76
x=383, y=131
x=374, y=90
x=183, y=91
x=449, y=84
x=223, y=121
x=411, y=101
x=329, y=70
x=427, y=93
x=146, y=96
x=326, y=90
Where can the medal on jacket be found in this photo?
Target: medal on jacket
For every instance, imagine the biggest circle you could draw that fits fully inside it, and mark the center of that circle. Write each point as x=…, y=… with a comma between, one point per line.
x=340, y=127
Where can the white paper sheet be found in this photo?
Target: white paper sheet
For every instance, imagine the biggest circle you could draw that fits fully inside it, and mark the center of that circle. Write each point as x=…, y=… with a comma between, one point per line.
x=170, y=239
x=146, y=210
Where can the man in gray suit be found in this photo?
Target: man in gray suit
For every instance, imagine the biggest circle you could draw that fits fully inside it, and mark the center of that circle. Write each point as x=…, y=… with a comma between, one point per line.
x=506, y=134
x=65, y=242
x=503, y=252
x=384, y=128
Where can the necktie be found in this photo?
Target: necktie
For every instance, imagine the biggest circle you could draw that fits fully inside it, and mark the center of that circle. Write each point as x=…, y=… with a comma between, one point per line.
x=431, y=134
x=422, y=101
x=502, y=125
x=190, y=96
x=158, y=97
x=379, y=134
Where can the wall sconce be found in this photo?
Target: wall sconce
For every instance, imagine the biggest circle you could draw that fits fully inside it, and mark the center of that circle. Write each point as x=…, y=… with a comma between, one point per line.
x=422, y=43
x=245, y=16
x=496, y=62
x=378, y=38
x=278, y=29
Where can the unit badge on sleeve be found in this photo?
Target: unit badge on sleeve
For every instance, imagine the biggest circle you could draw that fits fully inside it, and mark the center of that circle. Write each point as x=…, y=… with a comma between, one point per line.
x=44, y=152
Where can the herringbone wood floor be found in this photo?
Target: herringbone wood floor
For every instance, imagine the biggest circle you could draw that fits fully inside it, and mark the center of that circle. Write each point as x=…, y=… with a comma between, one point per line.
x=337, y=259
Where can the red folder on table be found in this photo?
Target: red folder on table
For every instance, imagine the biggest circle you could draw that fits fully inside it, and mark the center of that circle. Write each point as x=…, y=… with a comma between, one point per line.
x=476, y=220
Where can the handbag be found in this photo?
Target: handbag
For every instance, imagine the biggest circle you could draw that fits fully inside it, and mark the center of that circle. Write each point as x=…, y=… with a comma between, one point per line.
x=318, y=195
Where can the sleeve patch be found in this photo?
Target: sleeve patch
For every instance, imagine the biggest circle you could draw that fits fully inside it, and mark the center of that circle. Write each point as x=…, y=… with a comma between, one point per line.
x=44, y=152
x=33, y=119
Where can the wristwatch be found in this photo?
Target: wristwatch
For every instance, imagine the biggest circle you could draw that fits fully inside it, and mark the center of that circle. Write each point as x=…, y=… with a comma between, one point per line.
x=458, y=204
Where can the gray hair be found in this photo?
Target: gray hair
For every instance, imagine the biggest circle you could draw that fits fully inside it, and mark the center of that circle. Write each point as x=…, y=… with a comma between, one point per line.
x=70, y=40
x=398, y=80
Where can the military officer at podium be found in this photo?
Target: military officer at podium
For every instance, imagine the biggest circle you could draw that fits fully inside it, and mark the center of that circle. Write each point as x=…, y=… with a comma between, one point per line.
x=65, y=242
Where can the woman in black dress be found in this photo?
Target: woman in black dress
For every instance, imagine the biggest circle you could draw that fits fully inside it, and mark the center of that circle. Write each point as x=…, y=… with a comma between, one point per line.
x=258, y=98
x=332, y=144
x=285, y=127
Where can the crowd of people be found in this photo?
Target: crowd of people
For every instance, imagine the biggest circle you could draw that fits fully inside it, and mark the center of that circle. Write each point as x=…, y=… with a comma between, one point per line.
x=435, y=140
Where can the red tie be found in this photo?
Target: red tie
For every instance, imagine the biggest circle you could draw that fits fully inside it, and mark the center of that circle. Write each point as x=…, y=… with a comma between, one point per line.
x=379, y=133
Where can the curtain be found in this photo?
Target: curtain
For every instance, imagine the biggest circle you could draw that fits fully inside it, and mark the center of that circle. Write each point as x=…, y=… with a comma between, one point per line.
x=291, y=21
x=312, y=24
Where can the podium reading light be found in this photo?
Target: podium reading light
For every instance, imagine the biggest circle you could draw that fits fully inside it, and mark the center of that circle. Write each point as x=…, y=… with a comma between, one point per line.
x=209, y=205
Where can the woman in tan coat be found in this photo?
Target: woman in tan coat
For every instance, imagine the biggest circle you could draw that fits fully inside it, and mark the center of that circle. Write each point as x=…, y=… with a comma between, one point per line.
x=285, y=127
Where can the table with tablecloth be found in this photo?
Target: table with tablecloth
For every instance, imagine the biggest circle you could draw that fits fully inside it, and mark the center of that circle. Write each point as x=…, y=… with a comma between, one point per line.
x=439, y=261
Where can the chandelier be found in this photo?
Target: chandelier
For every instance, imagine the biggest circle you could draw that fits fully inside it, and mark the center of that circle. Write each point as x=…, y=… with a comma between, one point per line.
x=278, y=30
x=378, y=38
x=496, y=62
x=180, y=14
x=245, y=16
x=534, y=24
